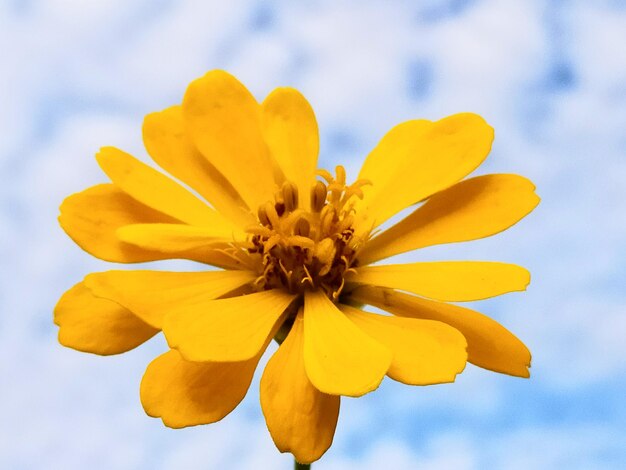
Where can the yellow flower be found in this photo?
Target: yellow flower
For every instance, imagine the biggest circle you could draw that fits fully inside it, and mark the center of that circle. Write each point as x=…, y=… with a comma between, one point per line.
x=296, y=255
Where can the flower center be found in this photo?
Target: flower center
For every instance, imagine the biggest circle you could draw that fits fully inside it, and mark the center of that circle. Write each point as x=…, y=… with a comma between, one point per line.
x=308, y=248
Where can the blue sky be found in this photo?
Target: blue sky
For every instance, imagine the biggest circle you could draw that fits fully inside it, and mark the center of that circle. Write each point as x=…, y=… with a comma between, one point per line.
x=549, y=76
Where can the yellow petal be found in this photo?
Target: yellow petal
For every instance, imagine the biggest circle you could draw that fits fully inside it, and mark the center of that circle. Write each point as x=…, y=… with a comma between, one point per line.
x=453, y=281
x=223, y=121
x=176, y=238
x=92, y=217
x=425, y=352
x=472, y=209
x=396, y=147
x=232, y=329
x=300, y=418
x=291, y=133
x=152, y=294
x=184, y=393
x=338, y=357
x=417, y=159
x=167, y=143
x=489, y=344
x=156, y=190
x=90, y=324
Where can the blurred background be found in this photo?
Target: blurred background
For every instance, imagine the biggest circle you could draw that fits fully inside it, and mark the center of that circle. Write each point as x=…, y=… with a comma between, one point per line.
x=550, y=76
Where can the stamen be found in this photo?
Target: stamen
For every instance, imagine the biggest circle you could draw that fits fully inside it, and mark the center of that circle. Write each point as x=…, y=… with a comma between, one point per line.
x=308, y=277
x=259, y=230
x=345, y=223
x=300, y=249
x=302, y=227
x=351, y=192
x=326, y=175
x=302, y=242
x=340, y=171
x=237, y=255
x=339, y=289
x=360, y=182
x=280, y=208
x=272, y=214
x=327, y=217
x=290, y=196
x=325, y=253
x=262, y=213
x=284, y=270
x=318, y=196
x=290, y=221
x=271, y=243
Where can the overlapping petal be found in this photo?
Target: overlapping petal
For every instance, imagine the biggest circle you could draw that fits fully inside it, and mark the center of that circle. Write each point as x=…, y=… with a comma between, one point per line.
x=489, y=344
x=291, y=133
x=91, y=324
x=339, y=358
x=152, y=294
x=451, y=281
x=425, y=352
x=177, y=238
x=155, y=190
x=472, y=209
x=300, y=418
x=91, y=218
x=232, y=329
x=223, y=121
x=419, y=158
x=169, y=145
x=184, y=393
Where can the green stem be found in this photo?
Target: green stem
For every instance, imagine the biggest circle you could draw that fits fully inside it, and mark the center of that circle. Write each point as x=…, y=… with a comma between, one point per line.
x=301, y=466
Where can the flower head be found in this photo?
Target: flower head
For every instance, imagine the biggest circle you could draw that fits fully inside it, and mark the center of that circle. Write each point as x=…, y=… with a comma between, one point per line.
x=295, y=246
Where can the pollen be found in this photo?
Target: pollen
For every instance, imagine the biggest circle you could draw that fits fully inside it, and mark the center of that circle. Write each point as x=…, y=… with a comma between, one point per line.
x=308, y=249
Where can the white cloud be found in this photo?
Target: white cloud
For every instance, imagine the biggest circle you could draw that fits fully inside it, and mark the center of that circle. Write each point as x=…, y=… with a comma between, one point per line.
x=393, y=455
x=576, y=342
x=591, y=446
x=538, y=447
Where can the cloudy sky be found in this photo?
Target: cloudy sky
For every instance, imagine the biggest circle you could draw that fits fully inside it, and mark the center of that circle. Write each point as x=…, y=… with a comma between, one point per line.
x=550, y=76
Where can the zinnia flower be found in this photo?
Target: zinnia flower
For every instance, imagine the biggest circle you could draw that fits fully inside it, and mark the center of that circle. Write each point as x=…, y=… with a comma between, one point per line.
x=295, y=246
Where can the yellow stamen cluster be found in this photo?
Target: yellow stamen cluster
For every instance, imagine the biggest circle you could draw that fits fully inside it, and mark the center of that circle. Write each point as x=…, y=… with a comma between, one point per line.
x=308, y=248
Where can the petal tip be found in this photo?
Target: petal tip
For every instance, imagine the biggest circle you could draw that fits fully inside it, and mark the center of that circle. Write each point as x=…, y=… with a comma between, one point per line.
x=536, y=201
x=127, y=233
x=527, y=279
x=106, y=153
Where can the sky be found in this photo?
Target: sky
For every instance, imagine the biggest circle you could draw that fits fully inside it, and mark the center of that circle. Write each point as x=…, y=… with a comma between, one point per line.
x=549, y=76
